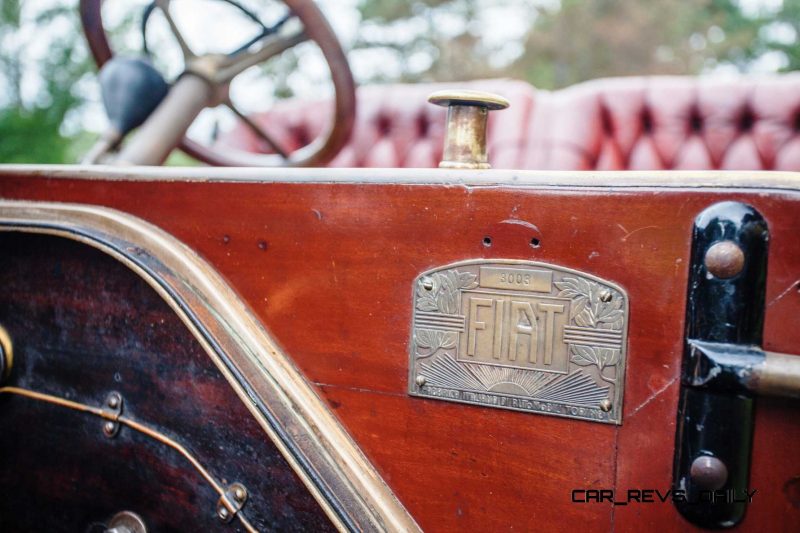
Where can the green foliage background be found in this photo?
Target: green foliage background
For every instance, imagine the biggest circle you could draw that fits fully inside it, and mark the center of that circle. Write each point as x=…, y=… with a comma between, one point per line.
x=30, y=124
x=565, y=42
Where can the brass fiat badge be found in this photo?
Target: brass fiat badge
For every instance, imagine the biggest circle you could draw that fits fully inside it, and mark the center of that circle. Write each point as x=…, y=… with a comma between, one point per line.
x=520, y=335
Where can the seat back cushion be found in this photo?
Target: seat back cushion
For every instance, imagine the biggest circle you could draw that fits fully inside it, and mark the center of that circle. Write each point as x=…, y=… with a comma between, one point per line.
x=638, y=123
x=395, y=126
x=668, y=123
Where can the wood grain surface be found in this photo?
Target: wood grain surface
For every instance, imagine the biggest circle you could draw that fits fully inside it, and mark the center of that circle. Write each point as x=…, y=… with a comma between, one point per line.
x=84, y=325
x=328, y=268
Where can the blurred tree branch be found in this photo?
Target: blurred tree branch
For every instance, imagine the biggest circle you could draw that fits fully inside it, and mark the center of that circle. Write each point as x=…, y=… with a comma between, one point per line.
x=781, y=34
x=572, y=40
x=32, y=118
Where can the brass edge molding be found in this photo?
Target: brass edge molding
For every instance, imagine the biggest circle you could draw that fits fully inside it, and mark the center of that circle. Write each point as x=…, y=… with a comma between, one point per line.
x=545, y=179
x=308, y=435
x=6, y=354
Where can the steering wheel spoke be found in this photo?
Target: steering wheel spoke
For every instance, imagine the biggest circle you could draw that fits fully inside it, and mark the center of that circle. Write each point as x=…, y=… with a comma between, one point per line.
x=258, y=130
x=185, y=49
x=273, y=45
x=302, y=21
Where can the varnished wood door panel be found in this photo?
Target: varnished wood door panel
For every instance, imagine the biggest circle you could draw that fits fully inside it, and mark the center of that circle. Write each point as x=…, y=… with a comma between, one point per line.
x=328, y=268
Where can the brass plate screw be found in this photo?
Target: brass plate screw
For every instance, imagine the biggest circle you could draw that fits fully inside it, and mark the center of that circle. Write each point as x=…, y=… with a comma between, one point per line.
x=465, y=136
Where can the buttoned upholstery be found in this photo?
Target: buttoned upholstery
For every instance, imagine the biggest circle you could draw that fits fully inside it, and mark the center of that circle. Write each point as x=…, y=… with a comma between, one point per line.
x=395, y=126
x=642, y=123
x=668, y=123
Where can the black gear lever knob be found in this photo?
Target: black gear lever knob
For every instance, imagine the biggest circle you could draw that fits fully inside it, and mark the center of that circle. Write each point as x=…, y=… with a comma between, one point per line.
x=131, y=89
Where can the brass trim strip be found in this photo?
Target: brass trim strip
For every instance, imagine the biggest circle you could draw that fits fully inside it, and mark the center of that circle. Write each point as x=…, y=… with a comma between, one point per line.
x=6, y=353
x=297, y=421
x=540, y=179
x=137, y=426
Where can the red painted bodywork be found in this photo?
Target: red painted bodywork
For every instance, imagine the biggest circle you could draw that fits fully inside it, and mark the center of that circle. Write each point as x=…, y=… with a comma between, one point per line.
x=328, y=268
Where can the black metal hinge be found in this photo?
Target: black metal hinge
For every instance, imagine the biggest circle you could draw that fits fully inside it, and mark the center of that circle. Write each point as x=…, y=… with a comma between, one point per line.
x=724, y=365
x=722, y=360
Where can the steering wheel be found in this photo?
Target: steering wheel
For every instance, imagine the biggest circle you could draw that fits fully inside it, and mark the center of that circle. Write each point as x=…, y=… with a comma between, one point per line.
x=315, y=27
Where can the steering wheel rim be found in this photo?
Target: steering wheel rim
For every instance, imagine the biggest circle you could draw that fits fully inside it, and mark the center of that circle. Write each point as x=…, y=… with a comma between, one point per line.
x=317, y=153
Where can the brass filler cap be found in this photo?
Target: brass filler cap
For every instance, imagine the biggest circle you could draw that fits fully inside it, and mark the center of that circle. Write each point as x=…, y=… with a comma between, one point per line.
x=465, y=137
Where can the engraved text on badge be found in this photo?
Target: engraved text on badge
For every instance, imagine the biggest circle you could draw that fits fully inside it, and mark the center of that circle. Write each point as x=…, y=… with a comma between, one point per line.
x=520, y=335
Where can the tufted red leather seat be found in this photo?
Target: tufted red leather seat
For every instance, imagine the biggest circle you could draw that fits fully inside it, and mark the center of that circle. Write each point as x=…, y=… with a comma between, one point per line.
x=395, y=126
x=668, y=123
x=641, y=123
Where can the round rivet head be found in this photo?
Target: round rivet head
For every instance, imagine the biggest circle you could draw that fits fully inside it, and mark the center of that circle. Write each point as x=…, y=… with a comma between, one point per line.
x=223, y=513
x=109, y=428
x=708, y=473
x=420, y=381
x=605, y=405
x=427, y=284
x=239, y=494
x=605, y=295
x=724, y=259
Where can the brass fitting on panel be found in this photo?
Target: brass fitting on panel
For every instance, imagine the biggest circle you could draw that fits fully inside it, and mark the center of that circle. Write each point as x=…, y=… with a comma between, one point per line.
x=465, y=137
x=6, y=354
x=778, y=375
x=126, y=522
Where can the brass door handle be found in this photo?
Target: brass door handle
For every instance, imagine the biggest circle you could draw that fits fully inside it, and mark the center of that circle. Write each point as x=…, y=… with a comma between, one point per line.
x=728, y=366
x=778, y=375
